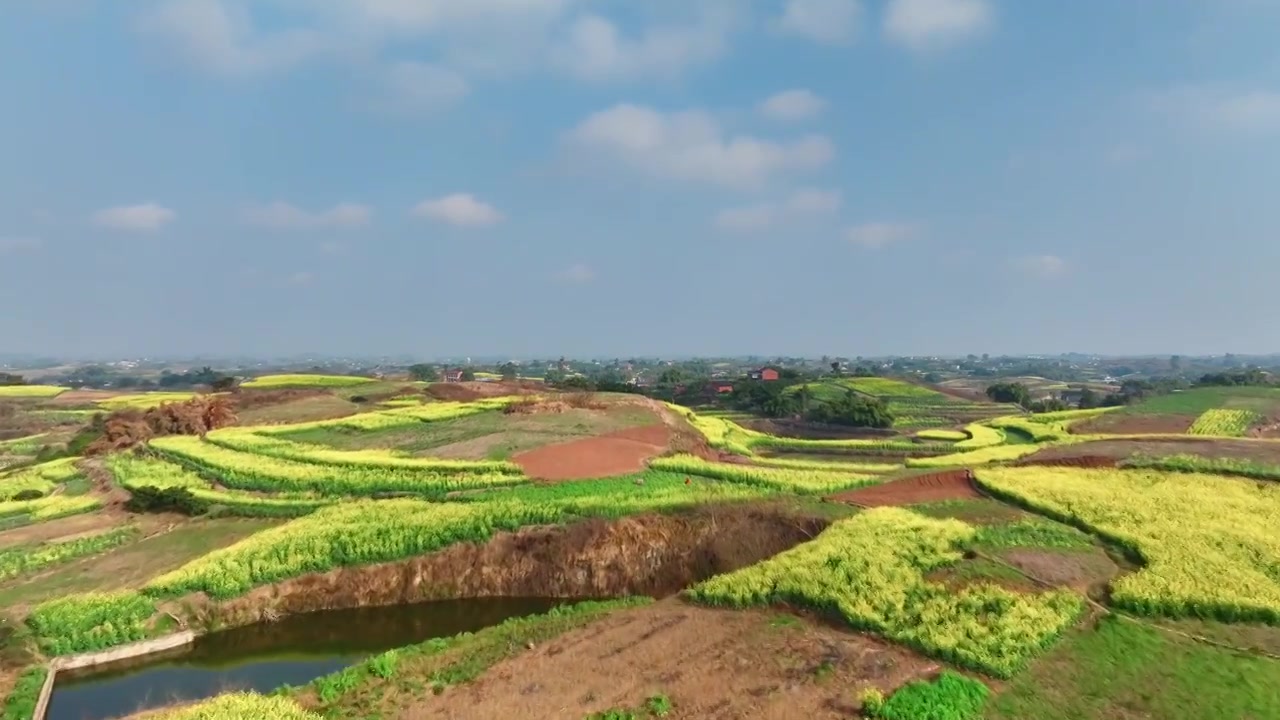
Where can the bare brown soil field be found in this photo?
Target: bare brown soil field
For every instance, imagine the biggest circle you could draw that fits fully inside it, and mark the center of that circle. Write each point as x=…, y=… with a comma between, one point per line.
x=1265, y=452
x=617, y=453
x=653, y=555
x=1081, y=571
x=1121, y=423
x=712, y=664
x=468, y=391
x=304, y=408
x=930, y=487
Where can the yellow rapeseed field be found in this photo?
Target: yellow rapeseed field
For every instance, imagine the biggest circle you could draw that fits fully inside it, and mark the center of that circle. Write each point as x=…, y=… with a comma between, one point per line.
x=1210, y=542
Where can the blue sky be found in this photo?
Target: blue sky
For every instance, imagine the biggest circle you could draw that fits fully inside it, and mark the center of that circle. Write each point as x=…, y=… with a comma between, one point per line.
x=593, y=177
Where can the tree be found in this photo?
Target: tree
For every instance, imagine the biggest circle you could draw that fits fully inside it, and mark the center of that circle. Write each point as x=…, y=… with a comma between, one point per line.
x=223, y=383
x=11, y=379
x=835, y=367
x=509, y=371
x=1010, y=392
x=468, y=375
x=1175, y=362
x=854, y=410
x=1089, y=399
x=424, y=372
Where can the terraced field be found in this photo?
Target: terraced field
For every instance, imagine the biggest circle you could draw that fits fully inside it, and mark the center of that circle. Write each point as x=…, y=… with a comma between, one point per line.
x=933, y=553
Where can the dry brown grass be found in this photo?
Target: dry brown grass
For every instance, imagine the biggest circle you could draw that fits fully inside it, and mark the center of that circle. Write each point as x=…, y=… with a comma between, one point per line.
x=129, y=427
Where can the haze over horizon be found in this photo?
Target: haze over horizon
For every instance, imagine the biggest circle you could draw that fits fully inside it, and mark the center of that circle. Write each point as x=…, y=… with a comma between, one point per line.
x=547, y=177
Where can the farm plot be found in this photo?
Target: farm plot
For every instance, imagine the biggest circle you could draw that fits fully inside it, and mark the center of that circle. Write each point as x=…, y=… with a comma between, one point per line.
x=305, y=380
x=1224, y=423
x=928, y=488
x=38, y=480
x=132, y=472
x=263, y=473
x=26, y=392
x=1208, y=541
x=871, y=570
x=788, y=479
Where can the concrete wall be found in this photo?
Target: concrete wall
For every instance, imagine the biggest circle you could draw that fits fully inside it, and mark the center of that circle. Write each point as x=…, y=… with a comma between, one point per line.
x=123, y=652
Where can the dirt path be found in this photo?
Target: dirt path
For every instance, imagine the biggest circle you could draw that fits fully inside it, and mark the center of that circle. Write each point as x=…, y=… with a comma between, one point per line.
x=710, y=663
x=932, y=487
x=617, y=453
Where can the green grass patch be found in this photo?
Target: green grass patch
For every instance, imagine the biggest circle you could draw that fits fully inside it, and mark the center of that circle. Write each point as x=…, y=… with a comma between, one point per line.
x=1120, y=669
x=1032, y=533
x=1198, y=400
x=1198, y=464
x=21, y=703
x=949, y=697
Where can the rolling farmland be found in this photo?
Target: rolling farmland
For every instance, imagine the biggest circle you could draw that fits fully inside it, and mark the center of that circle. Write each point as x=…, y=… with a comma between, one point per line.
x=990, y=577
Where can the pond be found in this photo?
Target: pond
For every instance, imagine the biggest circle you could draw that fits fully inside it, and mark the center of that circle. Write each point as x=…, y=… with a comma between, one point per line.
x=262, y=657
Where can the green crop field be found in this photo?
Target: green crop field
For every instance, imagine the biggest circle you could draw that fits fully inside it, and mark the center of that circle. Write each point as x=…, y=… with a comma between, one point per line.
x=1200, y=400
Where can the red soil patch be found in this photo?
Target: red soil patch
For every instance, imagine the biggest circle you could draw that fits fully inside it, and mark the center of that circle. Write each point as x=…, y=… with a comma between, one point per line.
x=1120, y=423
x=1080, y=461
x=617, y=453
x=932, y=487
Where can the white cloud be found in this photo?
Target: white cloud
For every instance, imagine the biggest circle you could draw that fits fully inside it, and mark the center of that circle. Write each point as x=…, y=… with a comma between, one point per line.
x=282, y=215
x=14, y=244
x=302, y=277
x=692, y=146
x=146, y=217
x=802, y=204
x=929, y=24
x=746, y=218
x=408, y=16
x=595, y=49
x=876, y=235
x=460, y=209
x=219, y=36
x=1221, y=108
x=423, y=86
x=793, y=105
x=1041, y=265
x=1258, y=110
x=812, y=201
x=831, y=22
x=577, y=273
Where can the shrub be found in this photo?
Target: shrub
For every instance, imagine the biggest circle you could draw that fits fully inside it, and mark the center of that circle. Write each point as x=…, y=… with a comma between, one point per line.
x=28, y=495
x=149, y=498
